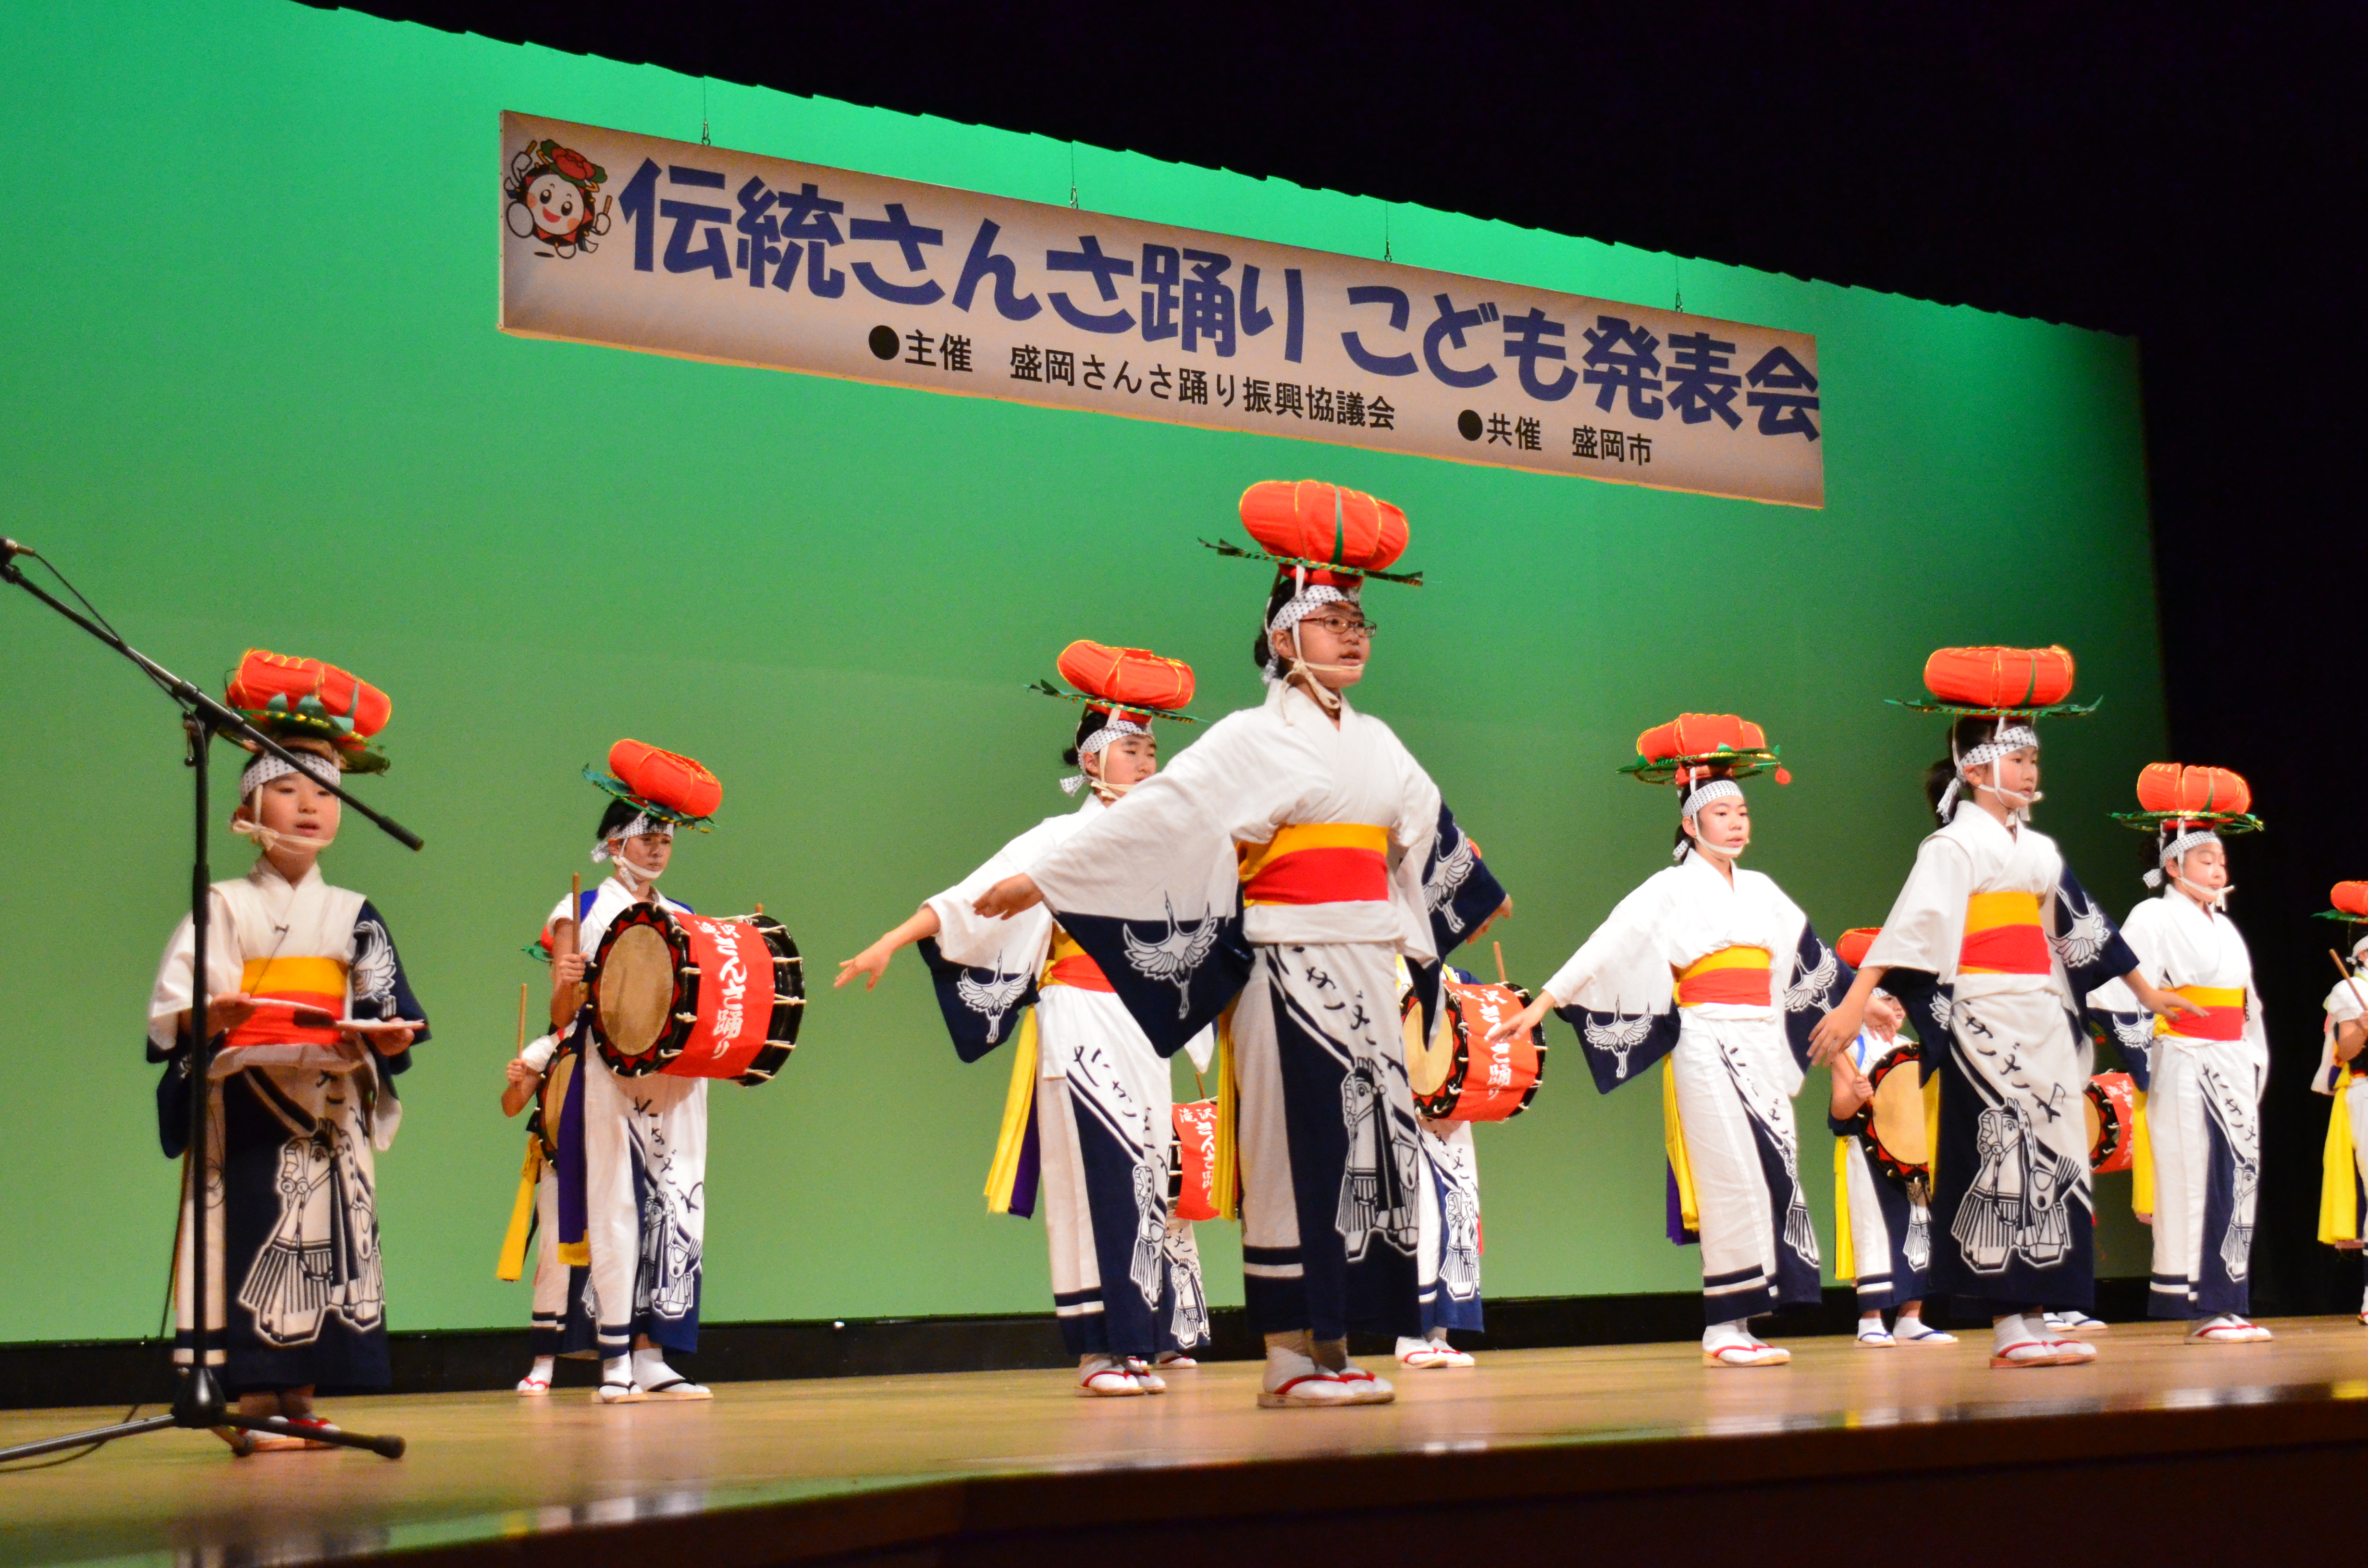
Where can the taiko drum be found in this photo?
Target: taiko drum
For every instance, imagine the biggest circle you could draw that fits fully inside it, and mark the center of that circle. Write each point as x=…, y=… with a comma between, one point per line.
x=1192, y=1162
x=2112, y=1103
x=1456, y=1074
x=696, y=996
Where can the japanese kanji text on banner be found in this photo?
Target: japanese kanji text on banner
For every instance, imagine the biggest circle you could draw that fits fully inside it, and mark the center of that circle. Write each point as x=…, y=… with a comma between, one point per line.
x=674, y=248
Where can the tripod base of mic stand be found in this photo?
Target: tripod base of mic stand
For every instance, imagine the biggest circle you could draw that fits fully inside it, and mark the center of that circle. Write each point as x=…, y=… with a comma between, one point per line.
x=199, y=1407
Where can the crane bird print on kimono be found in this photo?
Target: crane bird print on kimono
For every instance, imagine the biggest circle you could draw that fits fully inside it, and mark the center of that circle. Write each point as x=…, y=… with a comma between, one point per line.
x=1089, y=1122
x=1711, y=969
x=303, y=1084
x=1994, y=941
x=2202, y=1075
x=1274, y=873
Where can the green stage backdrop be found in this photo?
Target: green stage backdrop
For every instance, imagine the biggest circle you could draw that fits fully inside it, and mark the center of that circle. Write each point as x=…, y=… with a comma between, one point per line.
x=253, y=395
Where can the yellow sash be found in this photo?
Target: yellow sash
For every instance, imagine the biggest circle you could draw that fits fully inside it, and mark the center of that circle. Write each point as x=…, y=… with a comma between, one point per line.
x=2141, y=1157
x=1845, y=1255
x=2338, y=1196
x=1226, y=1179
x=1018, y=1105
x=1673, y=1142
x=512, y=1263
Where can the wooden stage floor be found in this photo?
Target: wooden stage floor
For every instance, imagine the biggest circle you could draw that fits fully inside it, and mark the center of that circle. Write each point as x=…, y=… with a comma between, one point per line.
x=1013, y=1466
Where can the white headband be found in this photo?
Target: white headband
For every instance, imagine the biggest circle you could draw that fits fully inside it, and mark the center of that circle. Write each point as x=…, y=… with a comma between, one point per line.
x=1305, y=602
x=2175, y=851
x=267, y=767
x=1691, y=808
x=2009, y=738
x=1118, y=727
x=641, y=825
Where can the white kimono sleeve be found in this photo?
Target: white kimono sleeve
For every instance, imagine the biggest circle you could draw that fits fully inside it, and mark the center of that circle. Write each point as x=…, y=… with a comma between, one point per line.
x=977, y=941
x=171, y=996
x=1165, y=847
x=1926, y=927
x=1622, y=967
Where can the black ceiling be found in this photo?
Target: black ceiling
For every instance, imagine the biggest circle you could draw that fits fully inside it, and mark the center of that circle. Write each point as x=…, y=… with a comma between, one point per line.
x=2093, y=165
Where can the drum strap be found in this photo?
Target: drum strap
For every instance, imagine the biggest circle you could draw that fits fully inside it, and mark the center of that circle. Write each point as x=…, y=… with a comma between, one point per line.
x=512, y=1263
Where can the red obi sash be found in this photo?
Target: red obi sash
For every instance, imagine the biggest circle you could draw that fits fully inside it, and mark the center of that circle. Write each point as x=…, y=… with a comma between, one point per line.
x=306, y=982
x=1071, y=965
x=1318, y=862
x=1736, y=977
x=2003, y=936
x=2223, y=1013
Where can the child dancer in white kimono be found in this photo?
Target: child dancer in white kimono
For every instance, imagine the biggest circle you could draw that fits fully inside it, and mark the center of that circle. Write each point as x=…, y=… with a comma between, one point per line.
x=1738, y=960
x=1888, y=1223
x=2343, y=1180
x=1993, y=942
x=631, y=1179
x=2206, y=1072
x=314, y=1017
x=1313, y=822
x=1126, y=1275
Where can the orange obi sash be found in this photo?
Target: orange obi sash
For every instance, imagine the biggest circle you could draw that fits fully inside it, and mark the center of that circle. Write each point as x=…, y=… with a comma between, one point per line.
x=307, y=983
x=2223, y=1013
x=1318, y=862
x=1072, y=965
x=1738, y=977
x=2003, y=936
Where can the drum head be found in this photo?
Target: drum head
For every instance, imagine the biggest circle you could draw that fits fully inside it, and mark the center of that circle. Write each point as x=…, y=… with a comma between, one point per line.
x=1429, y=1063
x=1899, y=1115
x=636, y=989
x=554, y=1100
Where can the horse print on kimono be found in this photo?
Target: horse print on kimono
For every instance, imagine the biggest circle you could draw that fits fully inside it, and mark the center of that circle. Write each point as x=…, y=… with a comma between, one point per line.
x=320, y=1260
x=666, y=1284
x=1188, y=1325
x=2018, y=1205
x=1377, y=1193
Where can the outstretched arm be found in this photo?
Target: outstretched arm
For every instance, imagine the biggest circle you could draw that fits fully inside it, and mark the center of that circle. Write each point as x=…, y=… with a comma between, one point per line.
x=872, y=961
x=1528, y=1018
x=1838, y=1028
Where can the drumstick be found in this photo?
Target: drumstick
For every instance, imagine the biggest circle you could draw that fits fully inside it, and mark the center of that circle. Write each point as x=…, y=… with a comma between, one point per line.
x=1500, y=962
x=516, y=1096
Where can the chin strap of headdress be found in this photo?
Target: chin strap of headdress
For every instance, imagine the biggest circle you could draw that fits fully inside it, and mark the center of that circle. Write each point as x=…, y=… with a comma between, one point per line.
x=1116, y=727
x=2187, y=836
x=1690, y=808
x=2007, y=738
x=247, y=820
x=642, y=825
x=1306, y=599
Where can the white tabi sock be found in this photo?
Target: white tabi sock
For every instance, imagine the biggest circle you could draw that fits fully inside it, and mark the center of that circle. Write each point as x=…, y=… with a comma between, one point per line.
x=2011, y=1329
x=650, y=1370
x=1908, y=1326
x=617, y=1371
x=1734, y=1334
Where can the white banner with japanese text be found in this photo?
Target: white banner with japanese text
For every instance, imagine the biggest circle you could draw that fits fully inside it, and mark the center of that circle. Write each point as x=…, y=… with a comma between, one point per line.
x=670, y=247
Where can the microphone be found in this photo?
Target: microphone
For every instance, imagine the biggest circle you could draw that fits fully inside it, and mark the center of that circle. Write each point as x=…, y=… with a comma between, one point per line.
x=10, y=549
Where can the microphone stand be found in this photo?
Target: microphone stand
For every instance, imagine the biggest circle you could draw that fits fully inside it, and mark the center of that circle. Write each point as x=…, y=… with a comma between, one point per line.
x=199, y=1404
